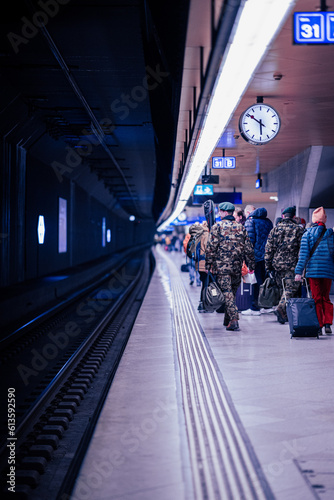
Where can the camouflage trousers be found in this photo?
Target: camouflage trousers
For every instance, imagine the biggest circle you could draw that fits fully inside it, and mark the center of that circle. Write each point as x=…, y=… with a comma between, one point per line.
x=291, y=287
x=229, y=284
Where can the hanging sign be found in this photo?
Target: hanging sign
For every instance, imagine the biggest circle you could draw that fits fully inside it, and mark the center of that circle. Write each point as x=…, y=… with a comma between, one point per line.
x=223, y=162
x=205, y=190
x=313, y=27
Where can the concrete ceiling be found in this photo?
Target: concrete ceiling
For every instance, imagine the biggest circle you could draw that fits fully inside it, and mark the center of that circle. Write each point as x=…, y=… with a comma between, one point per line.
x=303, y=98
x=298, y=81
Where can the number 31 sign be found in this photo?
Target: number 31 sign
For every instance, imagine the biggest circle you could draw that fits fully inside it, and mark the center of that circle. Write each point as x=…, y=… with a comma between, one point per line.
x=313, y=27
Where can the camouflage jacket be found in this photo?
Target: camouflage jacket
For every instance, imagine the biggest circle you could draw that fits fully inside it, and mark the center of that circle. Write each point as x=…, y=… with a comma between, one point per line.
x=228, y=246
x=282, y=247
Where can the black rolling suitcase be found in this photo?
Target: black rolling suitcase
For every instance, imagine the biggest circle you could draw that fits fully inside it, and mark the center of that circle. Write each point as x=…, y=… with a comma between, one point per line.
x=302, y=316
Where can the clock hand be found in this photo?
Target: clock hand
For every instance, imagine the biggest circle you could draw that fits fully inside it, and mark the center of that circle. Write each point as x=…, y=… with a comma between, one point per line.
x=252, y=117
x=258, y=121
x=261, y=125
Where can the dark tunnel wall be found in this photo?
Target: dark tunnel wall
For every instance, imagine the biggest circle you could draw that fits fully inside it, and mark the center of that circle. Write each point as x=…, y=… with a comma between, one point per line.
x=31, y=189
x=41, y=199
x=84, y=224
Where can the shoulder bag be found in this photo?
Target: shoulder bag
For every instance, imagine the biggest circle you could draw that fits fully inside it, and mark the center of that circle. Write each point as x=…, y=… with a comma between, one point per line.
x=213, y=297
x=269, y=294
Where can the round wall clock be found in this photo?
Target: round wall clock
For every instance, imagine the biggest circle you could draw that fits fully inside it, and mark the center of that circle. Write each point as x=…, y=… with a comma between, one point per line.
x=259, y=124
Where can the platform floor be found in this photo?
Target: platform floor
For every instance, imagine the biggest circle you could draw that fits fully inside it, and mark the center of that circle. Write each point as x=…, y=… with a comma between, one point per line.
x=264, y=403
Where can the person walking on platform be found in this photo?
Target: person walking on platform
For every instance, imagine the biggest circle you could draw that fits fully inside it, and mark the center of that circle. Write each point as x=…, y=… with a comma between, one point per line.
x=319, y=266
x=228, y=247
x=281, y=257
x=248, y=210
x=239, y=215
x=193, y=273
x=200, y=263
x=258, y=227
x=168, y=243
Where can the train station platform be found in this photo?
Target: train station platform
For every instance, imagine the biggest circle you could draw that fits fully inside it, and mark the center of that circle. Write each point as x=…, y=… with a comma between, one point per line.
x=198, y=412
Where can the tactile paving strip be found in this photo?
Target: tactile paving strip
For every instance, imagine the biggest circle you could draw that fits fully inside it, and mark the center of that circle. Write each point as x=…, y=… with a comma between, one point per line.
x=223, y=463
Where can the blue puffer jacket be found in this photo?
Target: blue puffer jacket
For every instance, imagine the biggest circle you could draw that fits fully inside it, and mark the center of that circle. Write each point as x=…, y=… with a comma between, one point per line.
x=258, y=227
x=321, y=264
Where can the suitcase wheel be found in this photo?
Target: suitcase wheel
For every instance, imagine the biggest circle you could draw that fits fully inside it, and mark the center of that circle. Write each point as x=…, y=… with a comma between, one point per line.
x=294, y=334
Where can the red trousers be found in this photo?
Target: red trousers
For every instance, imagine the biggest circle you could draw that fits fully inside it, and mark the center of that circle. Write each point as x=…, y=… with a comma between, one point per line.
x=320, y=288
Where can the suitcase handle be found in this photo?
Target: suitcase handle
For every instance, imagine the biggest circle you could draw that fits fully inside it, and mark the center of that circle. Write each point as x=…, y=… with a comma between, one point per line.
x=303, y=279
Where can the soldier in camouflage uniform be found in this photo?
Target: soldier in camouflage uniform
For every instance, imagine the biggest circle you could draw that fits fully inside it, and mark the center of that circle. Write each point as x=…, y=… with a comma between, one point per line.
x=228, y=246
x=281, y=257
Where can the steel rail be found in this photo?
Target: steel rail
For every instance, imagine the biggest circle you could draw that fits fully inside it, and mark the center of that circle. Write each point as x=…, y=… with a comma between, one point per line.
x=44, y=399
x=74, y=296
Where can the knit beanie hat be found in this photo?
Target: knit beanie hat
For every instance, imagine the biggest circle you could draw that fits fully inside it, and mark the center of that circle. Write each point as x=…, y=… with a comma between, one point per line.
x=289, y=210
x=319, y=215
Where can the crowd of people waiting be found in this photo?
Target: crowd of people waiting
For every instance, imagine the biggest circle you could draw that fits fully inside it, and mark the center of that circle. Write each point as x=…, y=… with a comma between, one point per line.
x=283, y=252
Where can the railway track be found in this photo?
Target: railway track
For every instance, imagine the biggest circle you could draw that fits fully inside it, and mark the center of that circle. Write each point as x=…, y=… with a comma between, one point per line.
x=57, y=375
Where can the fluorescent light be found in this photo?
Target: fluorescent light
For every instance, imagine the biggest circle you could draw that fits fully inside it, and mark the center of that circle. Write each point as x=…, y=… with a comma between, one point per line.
x=104, y=228
x=41, y=229
x=62, y=226
x=273, y=198
x=255, y=29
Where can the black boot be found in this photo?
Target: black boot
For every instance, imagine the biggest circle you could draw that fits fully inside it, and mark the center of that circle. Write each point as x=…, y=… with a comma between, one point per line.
x=233, y=325
x=328, y=329
x=281, y=317
x=226, y=319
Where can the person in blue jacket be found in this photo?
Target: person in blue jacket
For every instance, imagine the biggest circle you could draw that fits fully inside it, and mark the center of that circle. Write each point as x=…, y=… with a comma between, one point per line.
x=258, y=227
x=320, y=267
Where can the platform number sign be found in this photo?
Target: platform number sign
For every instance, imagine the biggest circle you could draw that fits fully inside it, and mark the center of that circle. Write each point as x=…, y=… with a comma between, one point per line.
x=313, y=27
x=330, y=27
x=223, y=162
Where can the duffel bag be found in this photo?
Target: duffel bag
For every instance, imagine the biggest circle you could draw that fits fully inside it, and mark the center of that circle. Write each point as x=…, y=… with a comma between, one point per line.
x=213, y=297
x=269, y=294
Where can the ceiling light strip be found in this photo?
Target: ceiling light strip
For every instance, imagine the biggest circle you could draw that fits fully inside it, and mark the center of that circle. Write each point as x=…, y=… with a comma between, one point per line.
x=256, y=27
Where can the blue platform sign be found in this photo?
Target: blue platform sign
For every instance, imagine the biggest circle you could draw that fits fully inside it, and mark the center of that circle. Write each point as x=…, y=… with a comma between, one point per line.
x=313, y=27
x=203, y=189
x=223, y=162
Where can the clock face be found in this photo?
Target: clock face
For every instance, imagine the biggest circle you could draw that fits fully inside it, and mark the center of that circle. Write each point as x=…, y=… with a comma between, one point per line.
x=259, y=124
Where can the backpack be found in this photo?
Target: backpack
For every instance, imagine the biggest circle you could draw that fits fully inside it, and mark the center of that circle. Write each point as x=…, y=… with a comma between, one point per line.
x=194, y=243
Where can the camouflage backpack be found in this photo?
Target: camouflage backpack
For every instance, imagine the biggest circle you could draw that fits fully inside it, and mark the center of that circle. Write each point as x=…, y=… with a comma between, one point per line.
x=194, y=243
